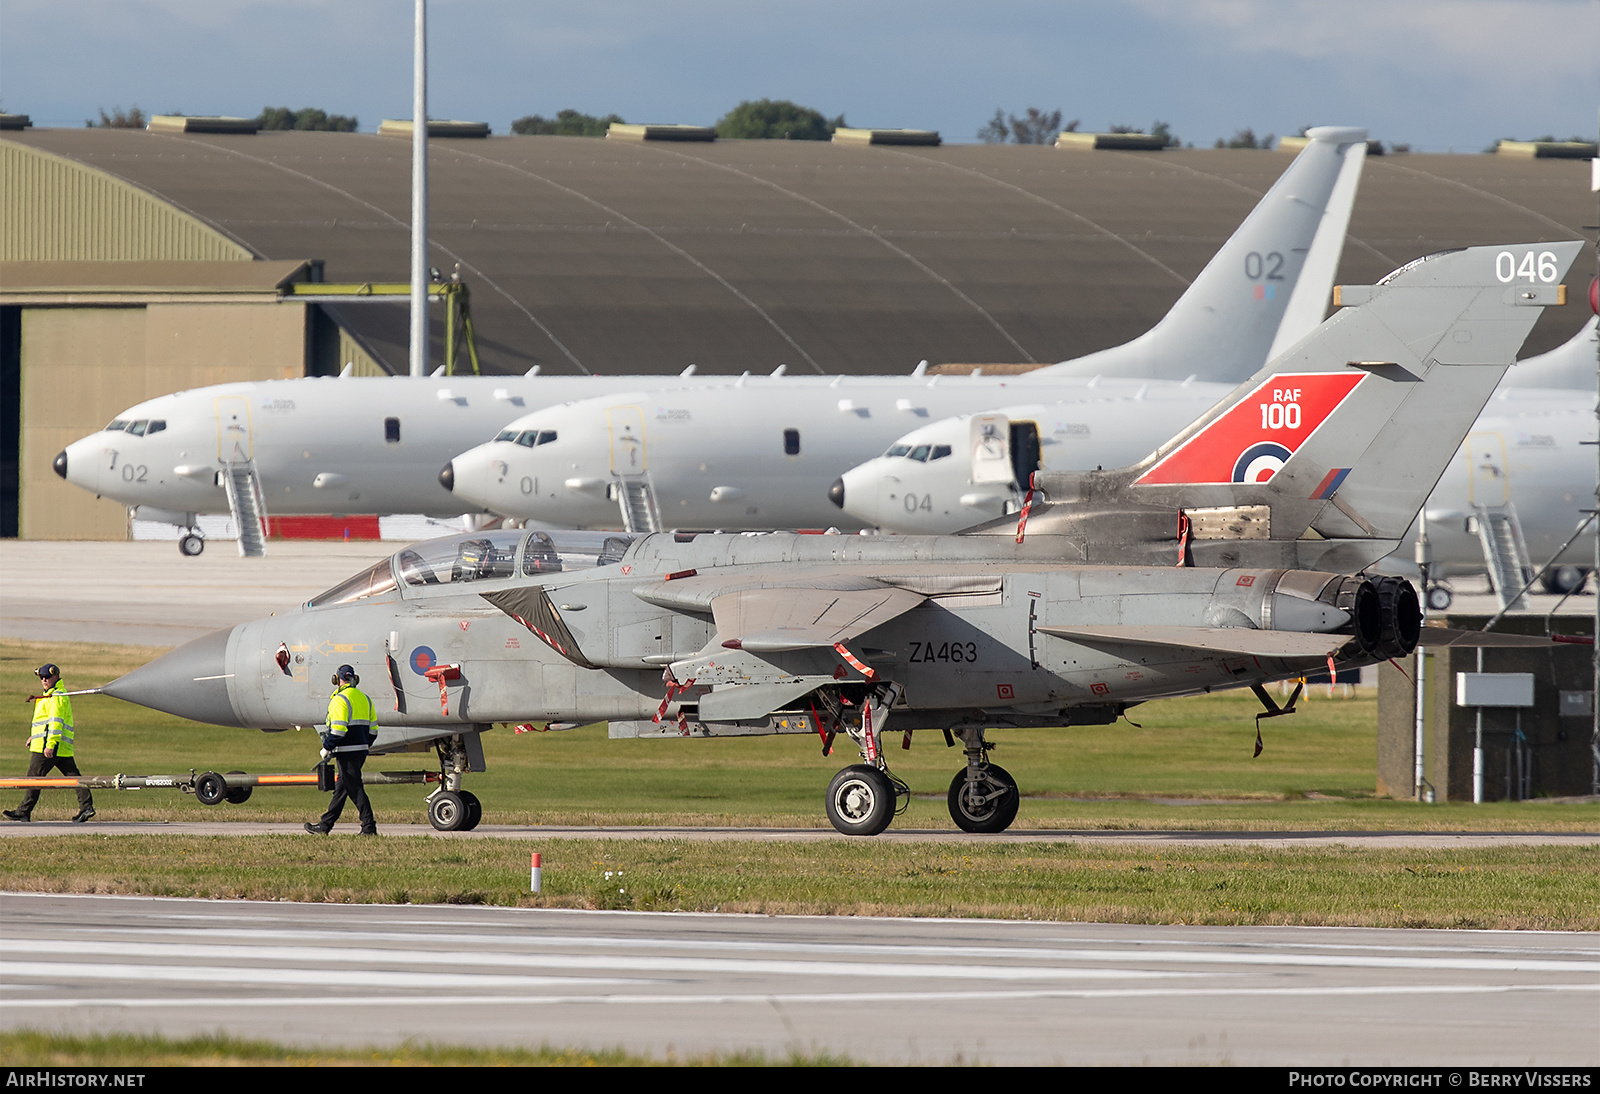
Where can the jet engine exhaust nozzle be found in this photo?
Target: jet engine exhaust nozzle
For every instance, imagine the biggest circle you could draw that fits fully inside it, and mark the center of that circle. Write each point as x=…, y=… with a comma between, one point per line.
x=836, y=493
x=60, y=463
x=1386, y=613
x=447, y=476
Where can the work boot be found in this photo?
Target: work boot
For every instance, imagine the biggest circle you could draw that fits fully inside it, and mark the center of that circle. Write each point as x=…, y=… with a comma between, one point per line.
x=84, y=814
x=13, y=814
x=315, y=829
x=369, y=831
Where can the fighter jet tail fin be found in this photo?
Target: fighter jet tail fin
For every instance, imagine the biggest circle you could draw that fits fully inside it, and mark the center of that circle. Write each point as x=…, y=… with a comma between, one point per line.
x=1266, y=288
x=1323, y=458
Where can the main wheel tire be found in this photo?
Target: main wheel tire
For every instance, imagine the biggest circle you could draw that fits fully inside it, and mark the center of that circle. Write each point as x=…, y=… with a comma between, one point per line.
x=1562, y=580
x=986, y=804
x=447, y=811
x=211, y=788
x=474, y=810
x=190, y=545
x=1439, y=598
x=860, y=801
x=238, y=795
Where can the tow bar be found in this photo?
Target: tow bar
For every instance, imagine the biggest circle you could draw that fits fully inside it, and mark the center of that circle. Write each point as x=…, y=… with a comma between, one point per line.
x=214, y=788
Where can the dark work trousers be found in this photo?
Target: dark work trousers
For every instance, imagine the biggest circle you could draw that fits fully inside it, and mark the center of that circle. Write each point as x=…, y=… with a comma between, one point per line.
x=39, y=766
x=349, y=786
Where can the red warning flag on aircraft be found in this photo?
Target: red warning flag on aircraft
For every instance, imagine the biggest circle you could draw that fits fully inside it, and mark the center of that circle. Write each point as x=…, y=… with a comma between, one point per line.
x=1258, y=434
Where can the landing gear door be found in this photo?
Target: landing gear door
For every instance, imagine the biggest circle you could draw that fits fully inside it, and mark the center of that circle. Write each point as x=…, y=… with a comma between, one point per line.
x=990, y=446
x=627, y=440
x=233, y=428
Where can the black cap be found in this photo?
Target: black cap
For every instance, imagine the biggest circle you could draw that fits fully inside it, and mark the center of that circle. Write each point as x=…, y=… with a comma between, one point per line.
x=345, y=672
x=47, y=672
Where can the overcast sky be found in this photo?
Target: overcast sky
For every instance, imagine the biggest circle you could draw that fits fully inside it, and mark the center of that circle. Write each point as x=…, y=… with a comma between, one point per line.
x=1439, y=75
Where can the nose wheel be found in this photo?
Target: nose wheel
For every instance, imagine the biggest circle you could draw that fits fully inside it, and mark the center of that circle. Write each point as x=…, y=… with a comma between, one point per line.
x=191, y=544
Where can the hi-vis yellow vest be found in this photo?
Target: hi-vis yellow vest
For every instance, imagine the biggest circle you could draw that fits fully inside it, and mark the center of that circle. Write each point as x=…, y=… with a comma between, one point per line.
x=52, y=723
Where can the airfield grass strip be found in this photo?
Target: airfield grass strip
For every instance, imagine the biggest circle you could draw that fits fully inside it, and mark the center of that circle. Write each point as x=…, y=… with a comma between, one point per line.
x=1552, y=888
x=32, y=1048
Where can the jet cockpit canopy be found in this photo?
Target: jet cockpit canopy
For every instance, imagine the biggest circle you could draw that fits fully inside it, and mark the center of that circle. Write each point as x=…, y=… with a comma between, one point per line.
x=479, y=556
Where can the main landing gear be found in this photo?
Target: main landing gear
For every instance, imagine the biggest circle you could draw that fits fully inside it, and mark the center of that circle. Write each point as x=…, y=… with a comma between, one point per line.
x=863, y=798
x=983, y=796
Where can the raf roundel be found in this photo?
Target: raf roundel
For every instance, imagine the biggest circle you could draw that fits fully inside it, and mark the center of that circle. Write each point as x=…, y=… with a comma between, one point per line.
x=422, y=659
x=1260, y=462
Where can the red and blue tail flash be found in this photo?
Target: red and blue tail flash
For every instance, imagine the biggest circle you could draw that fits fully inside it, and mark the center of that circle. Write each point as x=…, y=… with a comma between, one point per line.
x=1255, y=437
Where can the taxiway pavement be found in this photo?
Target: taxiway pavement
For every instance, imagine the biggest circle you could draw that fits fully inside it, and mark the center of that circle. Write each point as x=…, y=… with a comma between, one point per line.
x=880, y=990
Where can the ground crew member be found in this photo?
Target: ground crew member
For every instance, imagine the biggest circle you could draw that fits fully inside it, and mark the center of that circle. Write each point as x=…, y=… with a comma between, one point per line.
x=351, y=726
x=50, y=745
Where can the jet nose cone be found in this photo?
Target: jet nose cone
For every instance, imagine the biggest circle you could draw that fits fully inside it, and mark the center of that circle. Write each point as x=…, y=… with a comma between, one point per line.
x=191, y=682
x=447, y=477
x=60, y=463
x=836, y=493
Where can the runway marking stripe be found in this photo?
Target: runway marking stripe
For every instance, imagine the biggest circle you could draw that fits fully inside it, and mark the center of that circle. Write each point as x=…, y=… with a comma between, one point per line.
x=194, y=953
x=1150, y=949
x=765, y=998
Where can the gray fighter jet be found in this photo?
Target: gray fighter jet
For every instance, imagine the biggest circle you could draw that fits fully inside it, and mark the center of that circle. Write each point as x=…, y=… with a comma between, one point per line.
x=1230, y=557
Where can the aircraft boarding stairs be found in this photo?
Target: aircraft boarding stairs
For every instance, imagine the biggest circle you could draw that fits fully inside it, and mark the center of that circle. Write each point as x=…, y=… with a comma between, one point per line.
x=1505, y=552
x=637, y=500
x=246, y=505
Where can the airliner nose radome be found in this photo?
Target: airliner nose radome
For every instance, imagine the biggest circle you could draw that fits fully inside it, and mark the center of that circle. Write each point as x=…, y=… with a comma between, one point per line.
x=60, y=463
x=447, y=476
x=836, y=493
x=191, y=682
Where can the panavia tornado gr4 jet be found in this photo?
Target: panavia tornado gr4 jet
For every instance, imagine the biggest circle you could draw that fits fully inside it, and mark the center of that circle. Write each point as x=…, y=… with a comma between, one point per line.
x=1230, y=557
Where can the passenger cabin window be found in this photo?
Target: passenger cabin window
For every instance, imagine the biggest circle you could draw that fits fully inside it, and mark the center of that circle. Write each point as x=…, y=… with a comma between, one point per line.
x=791, y=442
x=391, y=430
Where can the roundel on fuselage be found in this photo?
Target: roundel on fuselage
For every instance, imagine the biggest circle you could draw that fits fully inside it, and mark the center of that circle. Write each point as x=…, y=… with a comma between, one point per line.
x=423, y=659
x=1260, y=462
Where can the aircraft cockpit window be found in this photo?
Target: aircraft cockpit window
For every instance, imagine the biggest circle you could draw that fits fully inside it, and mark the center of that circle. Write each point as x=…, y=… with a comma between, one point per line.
x=940, y=451
x=920, y=453
x=506, y=435
x=528, y=438
x=156, y=426
x=546, y=436
x=485, y=556
x=369, y=582
x=899, y=450
x=539, y=555
x=479, y=556
x=137, y=428
x=117, y=426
